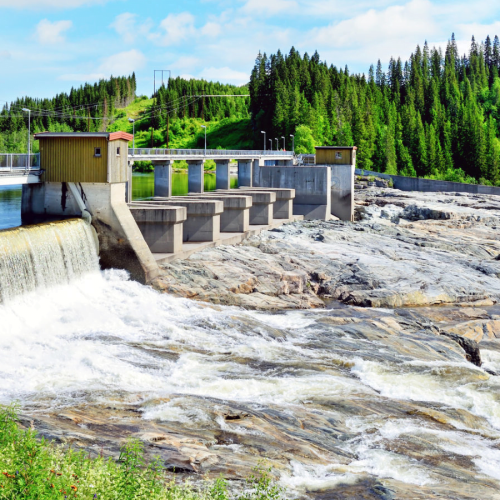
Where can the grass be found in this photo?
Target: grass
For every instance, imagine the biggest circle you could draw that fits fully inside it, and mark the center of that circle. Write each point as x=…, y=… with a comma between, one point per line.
x=35, y=469
x=184, y=133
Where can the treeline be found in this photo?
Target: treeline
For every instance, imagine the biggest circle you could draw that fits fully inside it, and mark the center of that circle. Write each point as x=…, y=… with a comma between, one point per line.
x=87, y=108
x=191, y=99
x=435, y=115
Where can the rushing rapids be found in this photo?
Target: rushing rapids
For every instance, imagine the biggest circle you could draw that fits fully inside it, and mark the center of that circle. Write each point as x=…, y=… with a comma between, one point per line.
x=339, y=402
x=35, y=257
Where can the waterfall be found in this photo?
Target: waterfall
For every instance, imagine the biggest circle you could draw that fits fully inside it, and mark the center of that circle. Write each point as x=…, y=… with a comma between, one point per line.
x=44, y=255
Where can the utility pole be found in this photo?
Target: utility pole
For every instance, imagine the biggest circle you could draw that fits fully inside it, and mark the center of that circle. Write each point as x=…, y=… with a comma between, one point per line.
x=293, y=143
x=262, y=132
x=29, y=134
x=271, y=141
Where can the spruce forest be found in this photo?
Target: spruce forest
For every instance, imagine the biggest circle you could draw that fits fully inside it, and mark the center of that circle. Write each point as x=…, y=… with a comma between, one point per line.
x=436, y=115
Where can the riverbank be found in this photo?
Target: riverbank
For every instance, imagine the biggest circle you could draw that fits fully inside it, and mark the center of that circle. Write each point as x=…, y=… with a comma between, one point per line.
x=361, y=389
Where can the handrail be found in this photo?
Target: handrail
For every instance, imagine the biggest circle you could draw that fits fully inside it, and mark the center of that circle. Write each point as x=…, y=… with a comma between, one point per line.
x=203, y=153
x=19, y=162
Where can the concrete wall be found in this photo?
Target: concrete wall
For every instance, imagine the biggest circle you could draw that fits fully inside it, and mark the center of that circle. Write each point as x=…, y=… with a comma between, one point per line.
x=312, y=188
x=343, y=192
x=432, y=186
x=121, y=243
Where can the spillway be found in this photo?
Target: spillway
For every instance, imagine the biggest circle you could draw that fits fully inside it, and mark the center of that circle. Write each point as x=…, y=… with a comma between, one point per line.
x=44, y=255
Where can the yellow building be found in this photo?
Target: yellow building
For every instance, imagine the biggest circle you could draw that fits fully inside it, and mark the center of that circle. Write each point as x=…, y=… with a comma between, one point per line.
x=336, y=155
x=97, y=157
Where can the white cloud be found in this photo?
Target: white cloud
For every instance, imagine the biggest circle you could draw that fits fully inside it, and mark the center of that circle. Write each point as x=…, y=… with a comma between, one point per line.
x=5, y=54
x=124, y=25
x=121, y=64
x=396, y=23
x=82, y=77
x=225, y=75
x=127, y=27
x=175, y=28
x=42, y=4
x=48, y=33
x=269, y=6
x=211, y=29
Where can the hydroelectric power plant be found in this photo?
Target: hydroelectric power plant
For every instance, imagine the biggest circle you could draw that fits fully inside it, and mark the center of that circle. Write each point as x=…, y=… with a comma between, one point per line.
x=355, y=357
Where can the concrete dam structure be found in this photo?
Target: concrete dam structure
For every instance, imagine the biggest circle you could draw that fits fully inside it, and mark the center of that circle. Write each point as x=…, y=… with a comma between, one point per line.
x=89, y=176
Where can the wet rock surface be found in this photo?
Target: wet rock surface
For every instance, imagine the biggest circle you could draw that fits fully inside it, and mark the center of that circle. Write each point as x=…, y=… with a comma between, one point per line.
x=381, y=381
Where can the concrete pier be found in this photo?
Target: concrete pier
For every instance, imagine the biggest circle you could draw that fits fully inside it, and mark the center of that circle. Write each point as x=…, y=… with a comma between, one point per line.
x=163, y=178
x=312, y=188
x=203, y=217
x=245, y=173
x=196, y=176
x=161, y=226
x=222, y=175
x=261, y=212
x=236, y=215
x=283, y=206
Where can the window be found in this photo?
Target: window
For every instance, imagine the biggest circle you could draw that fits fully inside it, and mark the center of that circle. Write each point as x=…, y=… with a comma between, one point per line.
x=118, y=151
x=338, y=156
x=97, y=151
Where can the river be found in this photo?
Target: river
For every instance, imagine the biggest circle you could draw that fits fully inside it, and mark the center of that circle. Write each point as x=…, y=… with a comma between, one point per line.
x=335, y=401
x=142, y=188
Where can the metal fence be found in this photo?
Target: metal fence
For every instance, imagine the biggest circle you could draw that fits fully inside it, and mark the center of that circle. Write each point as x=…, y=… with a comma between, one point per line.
x=233, y=153
x=19, y=163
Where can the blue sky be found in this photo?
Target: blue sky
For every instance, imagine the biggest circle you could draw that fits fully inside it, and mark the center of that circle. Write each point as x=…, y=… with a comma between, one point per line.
x=48, y=46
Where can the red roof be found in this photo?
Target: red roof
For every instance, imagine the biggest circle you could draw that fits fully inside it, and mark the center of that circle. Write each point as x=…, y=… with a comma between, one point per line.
x=114, y=136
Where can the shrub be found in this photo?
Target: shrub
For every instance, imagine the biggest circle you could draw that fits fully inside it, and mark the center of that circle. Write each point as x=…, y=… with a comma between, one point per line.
x=143, y=166
x=34, y=469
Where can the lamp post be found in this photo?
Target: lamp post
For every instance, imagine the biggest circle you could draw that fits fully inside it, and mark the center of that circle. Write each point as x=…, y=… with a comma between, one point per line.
x=283, y=137
x=271, y=141
x=203, y=126
x=29, y=134
x=293, y=143
x=262, y=132
x=133, y=133
x=277, y=146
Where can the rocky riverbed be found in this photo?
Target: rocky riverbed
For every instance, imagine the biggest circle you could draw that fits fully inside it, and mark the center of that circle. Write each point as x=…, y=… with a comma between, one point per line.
x=405, y=250
x=357, y=360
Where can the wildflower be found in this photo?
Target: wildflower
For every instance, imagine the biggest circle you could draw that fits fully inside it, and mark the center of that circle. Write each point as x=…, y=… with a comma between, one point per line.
x=51, y=485
x=73, y=487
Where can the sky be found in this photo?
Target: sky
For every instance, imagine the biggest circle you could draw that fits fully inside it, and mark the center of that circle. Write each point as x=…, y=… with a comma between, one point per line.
x=49, y=46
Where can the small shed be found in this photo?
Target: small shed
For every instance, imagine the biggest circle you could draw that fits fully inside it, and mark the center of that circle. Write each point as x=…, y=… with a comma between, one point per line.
x=336, y=155
x=99, y=157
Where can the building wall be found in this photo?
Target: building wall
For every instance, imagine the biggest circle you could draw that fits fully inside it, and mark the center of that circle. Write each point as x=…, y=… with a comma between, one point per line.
x=329, y=156
x=118, y=164
x=73, y=160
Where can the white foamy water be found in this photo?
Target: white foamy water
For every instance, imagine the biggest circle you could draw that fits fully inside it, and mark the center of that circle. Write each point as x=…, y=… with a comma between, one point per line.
x=103, y=336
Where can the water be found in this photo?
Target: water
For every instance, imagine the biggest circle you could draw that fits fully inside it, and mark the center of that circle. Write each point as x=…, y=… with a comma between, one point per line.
x=142, y=188
x=325, y=406
x=10, y=206
x=143, y=184
x=36, y=257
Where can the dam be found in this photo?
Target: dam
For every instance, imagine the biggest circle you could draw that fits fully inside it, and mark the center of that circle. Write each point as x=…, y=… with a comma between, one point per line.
x=89, y=176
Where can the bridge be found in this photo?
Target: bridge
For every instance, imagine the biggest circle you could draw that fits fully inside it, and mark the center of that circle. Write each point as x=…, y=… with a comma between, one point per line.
x=152, y=154
x=21, y=168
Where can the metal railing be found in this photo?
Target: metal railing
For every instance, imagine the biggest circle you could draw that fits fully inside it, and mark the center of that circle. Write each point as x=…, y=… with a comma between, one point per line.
x=16, y=163
x=233, y=153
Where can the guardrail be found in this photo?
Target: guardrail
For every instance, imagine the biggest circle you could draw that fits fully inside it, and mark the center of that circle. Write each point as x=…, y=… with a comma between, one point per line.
x=201, y=152
x=18, y=163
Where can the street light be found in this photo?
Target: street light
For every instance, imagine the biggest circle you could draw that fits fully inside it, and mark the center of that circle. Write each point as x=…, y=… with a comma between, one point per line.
x=271, y=141
x=293, y=143
x=283, y=137
x=133, y=132
x=29, y=134
x=277, y=147
x=262, y=132
x=203, y=126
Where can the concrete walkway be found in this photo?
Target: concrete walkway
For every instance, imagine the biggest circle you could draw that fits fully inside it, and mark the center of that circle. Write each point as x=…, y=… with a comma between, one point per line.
x=225, y=239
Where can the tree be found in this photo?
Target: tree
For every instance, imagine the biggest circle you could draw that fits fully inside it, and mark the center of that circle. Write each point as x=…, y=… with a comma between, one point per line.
x=304, y=141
